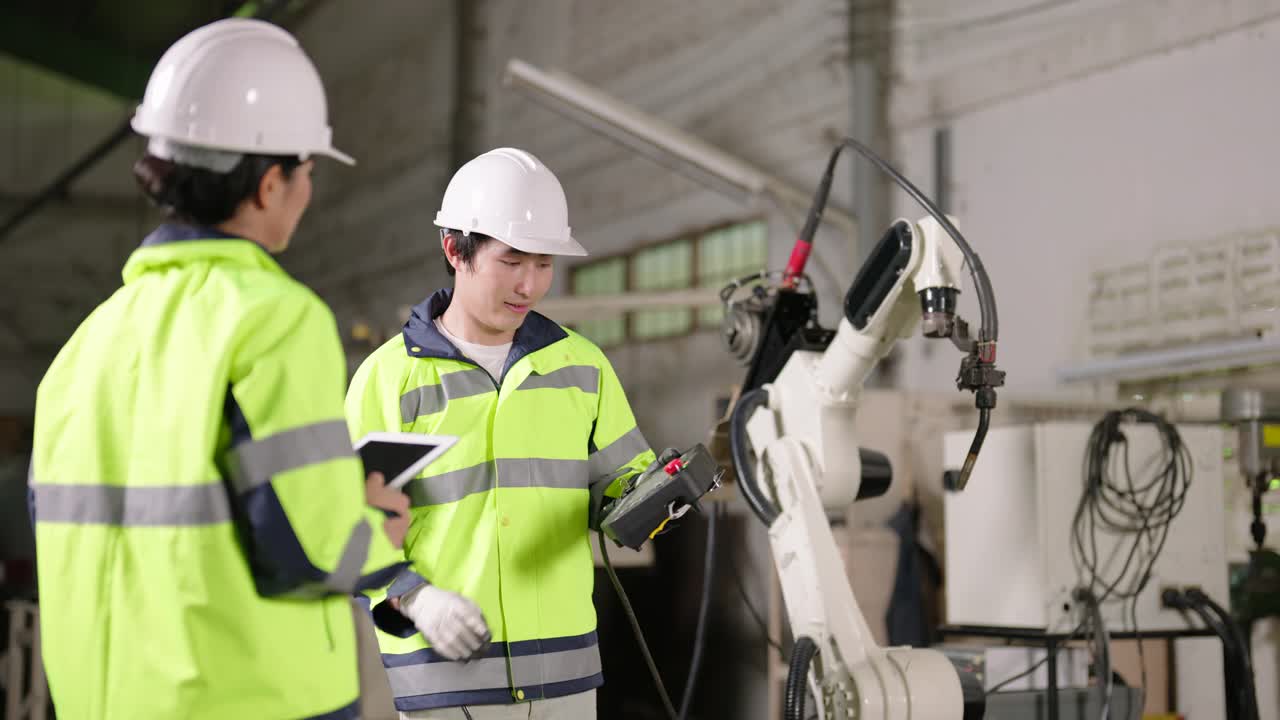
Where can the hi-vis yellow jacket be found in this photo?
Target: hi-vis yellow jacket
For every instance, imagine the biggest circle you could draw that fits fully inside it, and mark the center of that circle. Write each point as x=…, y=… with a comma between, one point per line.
x=199, y=513
x=502, y=517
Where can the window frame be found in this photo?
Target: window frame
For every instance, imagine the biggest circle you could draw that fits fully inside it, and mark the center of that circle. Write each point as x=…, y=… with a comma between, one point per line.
x=692, y=236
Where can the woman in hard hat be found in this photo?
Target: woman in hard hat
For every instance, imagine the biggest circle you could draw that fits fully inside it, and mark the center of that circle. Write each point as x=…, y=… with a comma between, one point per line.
x=199, y=513
x=496, y=609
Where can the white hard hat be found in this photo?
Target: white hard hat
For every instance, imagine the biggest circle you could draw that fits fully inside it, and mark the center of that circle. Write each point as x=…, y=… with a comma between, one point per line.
x=510, y=195
x=238, y=85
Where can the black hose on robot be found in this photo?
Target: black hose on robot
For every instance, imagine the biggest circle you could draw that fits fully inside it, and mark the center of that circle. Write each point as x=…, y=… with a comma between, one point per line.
x=989, y=327
x=635, y=627
x=704, y=610
x=751, y=492
x=699, y=633
x=803, y=651
x=802, y=654
x=977, y=371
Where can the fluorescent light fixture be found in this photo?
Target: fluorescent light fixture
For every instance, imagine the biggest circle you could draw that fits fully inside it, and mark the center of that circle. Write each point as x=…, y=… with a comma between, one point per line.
x=659, y=140
x=1173, y=362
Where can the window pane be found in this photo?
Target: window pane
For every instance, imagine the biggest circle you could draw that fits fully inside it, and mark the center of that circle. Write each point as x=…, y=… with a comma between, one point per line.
x=662, y=267
x=729, y=253
x=602, y=278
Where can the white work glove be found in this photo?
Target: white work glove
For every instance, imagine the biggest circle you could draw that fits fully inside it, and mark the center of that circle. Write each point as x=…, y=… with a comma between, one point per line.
x=453, y=625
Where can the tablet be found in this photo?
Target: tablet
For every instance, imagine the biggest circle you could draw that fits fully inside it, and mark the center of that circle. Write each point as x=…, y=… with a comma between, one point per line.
x=400, y=456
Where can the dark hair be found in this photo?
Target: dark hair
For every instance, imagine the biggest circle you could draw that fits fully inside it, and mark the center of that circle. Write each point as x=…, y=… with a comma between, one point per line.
x=205, y=197
x=466, y=245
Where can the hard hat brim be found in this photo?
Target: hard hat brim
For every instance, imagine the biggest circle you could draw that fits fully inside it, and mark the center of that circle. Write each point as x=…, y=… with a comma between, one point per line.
x=567, y=248
x=144, y=130
x=338, y=155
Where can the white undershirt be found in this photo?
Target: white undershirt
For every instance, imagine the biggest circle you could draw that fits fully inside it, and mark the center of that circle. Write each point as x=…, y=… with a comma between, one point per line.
x=490, y=357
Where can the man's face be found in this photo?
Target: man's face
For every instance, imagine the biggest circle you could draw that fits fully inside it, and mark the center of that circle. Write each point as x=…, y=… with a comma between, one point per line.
x=501, y=286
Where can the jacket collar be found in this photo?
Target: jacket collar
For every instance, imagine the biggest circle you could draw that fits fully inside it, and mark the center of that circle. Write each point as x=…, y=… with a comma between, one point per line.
x=177, y=244
x=423, y=340
x=178, y=232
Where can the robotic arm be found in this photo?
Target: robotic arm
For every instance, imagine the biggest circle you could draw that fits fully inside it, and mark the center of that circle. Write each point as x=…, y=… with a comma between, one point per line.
x=806, y=462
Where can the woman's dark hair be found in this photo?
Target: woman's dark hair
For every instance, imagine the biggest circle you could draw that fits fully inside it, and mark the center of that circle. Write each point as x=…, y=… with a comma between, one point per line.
x=205, y=197
x=466, y=245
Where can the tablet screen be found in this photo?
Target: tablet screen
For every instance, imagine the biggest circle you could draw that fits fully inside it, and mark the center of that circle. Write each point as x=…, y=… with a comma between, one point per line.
x=400, y=456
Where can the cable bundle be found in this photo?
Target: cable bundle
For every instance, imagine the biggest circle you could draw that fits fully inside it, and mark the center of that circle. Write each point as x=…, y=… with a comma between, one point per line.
x=1115, y=503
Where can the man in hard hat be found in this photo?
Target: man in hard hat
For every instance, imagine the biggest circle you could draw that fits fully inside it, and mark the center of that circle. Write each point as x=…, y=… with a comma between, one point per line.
x=496, y=608
x=200, y=517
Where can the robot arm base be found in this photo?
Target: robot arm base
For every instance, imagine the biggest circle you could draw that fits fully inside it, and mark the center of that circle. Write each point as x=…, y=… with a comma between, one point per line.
x=895, y=684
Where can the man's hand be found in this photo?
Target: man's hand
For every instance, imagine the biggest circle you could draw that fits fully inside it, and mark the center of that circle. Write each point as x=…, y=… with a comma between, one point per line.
x=392, y=502
x=599, y=504
x=453, y=625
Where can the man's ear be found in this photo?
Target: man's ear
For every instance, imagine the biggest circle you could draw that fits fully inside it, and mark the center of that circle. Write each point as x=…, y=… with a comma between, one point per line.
x=270, y=184
x=449, y=245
